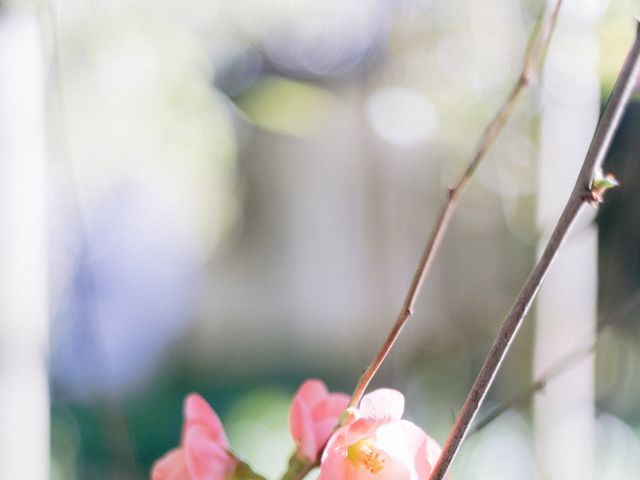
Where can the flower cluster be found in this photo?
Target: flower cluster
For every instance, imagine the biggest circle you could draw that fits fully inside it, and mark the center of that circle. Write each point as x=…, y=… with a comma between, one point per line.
x=376, y=444
x=373, y=443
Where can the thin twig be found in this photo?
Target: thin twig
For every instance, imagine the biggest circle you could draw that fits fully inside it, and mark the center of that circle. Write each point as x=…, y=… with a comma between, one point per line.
x=559, y=367
x=562, y=365
x=580, y=195
x=535, y=53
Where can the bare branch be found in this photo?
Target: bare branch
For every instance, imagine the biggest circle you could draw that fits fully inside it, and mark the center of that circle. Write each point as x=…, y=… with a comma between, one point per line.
x=560, y=367
x=580, y=195
x=538, y=43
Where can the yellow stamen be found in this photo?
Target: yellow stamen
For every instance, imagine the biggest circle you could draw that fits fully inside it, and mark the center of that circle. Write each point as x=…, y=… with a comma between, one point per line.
x=363, y=453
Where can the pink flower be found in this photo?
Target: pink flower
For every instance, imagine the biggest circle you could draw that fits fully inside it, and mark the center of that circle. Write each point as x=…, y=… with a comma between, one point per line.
x=378, y=445
x=203, y=453
x=313, y=416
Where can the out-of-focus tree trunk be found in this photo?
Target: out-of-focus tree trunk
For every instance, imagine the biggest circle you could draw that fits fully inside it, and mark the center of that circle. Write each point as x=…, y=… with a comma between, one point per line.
x=564, y=423
x=24, y=397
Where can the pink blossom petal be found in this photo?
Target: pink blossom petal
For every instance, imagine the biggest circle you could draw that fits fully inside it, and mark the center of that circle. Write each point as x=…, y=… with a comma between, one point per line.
x=311, y=392
x=361, y=428
x=302, y=429
x=379, y=445
x=198, y=412
x=171, y=467
x=394, y=469
x=337, y=466
x=206, y=459
x=406, y=442
x=313, y=416
x=431, y=451
x=331, y=406
x=325, y=416
x=334, y=467
x=384, y=405
x=323, y=430
x=337, y=441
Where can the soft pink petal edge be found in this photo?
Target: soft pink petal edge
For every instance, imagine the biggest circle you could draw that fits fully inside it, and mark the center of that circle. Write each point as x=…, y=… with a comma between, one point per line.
x=325, y=416
x=384, y=404
x=170, y=466
x=205, y=458
x=198, y=412
x=331, y=406
x=408, y=443
x=302, y=429
x=311, y=392
x=336, y=466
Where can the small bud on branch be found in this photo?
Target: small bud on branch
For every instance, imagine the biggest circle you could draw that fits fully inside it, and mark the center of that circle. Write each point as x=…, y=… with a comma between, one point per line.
x=599, y=186
x=582, y=193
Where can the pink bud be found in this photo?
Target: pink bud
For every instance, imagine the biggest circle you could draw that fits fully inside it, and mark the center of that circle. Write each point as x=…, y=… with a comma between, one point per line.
x=313, y=416
x=203, y=453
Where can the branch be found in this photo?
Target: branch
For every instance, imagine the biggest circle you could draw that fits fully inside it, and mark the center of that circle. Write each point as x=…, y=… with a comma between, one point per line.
x=561, y=366
x=538, y=43
x=582, y=193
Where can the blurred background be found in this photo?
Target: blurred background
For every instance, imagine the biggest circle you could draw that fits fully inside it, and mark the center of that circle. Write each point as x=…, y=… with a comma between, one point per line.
x=230, y=197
